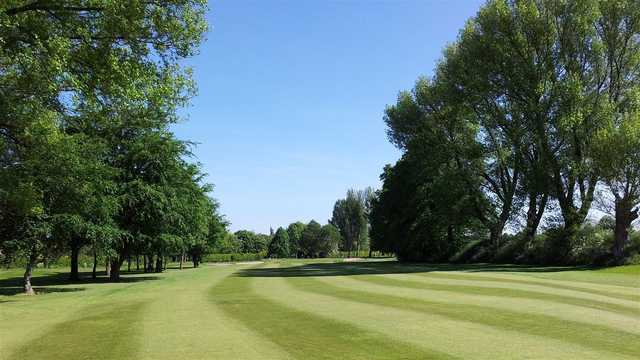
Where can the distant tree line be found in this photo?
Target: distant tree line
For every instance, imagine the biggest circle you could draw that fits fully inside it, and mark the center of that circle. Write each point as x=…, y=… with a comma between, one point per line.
x=88, y=163
x=531, y=120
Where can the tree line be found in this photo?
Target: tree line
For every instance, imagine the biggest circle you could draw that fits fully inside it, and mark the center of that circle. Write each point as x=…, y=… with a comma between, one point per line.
x=530, y=121
x=88, y=93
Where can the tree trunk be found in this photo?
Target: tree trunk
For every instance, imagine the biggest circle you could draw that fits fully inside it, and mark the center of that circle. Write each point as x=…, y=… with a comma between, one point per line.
x=115, y=269
x=28, y=273
x=159, y=264
x=149, y=264
x=128, y=263
x=495, y=236
x=107, y=267
x=144, y=260
x=75, y=250
x=181, y=260
x=95, y=264
x=624, y=217
x=534, y=215
x=137, y=262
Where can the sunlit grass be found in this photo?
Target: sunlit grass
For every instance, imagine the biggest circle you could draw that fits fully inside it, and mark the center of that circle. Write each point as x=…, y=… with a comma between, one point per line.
x=305, y=309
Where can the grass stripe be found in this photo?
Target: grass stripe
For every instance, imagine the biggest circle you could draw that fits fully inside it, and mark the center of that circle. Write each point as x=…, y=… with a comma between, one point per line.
x=97, y=335
x=457, y=337
x=633, y=295
x=304, y=335
x=502, y=292
x=617, y=321
x=593, y=336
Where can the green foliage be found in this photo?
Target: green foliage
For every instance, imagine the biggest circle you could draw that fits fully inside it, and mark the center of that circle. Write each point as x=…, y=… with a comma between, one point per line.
x=310, y=243
x=227, y=244
x=532, y=121
x=233, y=257
x=250, y=242
x=329, y=241
x=350, y=217
x=295, y=230
x=89, y=93
x=279, y=245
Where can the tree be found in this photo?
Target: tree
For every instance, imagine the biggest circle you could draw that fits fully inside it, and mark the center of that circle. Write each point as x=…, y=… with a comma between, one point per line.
x=542, y=66
x=295, y=230
x=78, y=72
x=617, y=143
x=310, y=242
x=329, y=240
x=350, y=218
x=250, y=242
x=279, y=246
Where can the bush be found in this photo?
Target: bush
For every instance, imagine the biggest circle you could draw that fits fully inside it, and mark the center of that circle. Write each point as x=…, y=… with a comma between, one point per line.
x=512, y=249
x=469, y=251
x=235, y=257
x=591, y=246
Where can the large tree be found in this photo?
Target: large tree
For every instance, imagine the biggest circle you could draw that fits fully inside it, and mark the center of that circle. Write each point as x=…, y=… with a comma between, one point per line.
x=617, y=144
x=82, y=69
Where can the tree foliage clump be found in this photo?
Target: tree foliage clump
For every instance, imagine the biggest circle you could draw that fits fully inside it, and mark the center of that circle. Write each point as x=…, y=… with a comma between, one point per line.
x=279, y=245
x=532, y=108
x=89, y=92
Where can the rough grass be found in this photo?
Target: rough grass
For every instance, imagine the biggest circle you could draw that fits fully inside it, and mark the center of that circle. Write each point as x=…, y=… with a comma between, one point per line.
x=327, y=310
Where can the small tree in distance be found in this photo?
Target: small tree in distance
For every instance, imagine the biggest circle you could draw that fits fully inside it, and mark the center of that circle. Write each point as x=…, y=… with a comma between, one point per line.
x=279, y=246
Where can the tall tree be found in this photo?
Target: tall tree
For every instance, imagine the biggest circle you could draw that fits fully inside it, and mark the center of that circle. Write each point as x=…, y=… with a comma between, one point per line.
x=350, y=218
x=310, y=242
x=295, y=231
x=617, y=148
x=279, y=246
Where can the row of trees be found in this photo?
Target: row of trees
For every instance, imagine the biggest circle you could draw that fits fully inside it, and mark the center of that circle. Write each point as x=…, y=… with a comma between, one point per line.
x=88, y=92
x=531, y=116
x=347, y=231
x=301, y=240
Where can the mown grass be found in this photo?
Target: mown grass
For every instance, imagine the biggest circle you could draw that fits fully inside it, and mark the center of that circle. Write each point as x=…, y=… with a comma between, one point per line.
x=300, y=309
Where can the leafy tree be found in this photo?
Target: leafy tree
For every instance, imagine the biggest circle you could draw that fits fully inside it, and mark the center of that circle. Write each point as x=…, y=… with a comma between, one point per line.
x=329, y=240
x=295, y=230
x=310, y=242
x=74, y=74
x=350, y=217
x=279, y=246
x=617, y=143
x=251, y=242
x=228, y=244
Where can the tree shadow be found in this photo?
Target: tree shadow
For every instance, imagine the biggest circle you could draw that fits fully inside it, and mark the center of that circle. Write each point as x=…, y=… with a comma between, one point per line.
x=45, y=284
x=393, y=267
x=15, y=290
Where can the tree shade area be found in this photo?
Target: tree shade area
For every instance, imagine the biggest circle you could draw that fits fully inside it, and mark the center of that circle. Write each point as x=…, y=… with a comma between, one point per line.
x=300, y=309
x=530, y=123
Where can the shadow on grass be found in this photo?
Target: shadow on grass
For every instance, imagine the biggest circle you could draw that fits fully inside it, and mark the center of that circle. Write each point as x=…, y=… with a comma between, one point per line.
x=14, y=290
x=391, y=267
x=44, y=284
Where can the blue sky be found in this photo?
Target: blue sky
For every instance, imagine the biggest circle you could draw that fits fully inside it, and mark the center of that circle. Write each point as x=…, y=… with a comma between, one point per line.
x=289, y=111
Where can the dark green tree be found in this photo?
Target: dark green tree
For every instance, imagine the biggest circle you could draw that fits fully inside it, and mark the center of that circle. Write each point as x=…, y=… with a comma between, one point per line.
x=279, y=245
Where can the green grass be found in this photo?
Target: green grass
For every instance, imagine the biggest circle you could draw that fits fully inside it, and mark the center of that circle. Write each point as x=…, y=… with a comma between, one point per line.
x=300, y=309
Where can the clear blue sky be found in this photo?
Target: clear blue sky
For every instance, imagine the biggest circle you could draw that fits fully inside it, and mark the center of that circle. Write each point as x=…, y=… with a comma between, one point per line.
x=289, y=112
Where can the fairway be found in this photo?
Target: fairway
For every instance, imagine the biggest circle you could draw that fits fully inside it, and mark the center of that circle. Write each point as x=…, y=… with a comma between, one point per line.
x=325, y=310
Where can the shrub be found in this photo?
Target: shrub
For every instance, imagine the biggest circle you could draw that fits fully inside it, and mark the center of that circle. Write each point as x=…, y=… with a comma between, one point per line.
x=234, y=257
x=591, y=246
